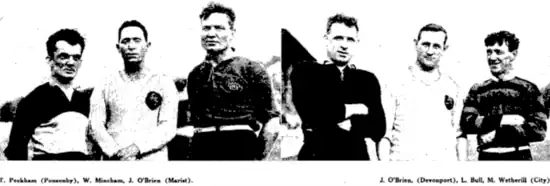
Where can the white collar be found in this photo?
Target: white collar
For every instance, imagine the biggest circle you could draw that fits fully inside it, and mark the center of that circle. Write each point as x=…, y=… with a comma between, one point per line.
x=416, y=74
x=141, y=75
x=506, y=77
x=68, y=91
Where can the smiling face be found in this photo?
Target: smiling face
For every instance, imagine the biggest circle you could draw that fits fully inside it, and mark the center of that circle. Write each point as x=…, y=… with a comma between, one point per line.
x=500, y=58
x=66, y=61
x=132, y=45
x=429, y=49
x=217, y=34
x=341, y=41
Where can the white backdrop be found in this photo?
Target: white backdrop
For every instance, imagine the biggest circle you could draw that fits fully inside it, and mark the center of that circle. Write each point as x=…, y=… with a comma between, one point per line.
x=173, y=26
x=387, y=30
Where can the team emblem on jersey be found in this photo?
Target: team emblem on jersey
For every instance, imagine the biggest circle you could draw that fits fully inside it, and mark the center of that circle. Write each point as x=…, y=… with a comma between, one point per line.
x=233, y=85
x=449, y=102
x=153, y=100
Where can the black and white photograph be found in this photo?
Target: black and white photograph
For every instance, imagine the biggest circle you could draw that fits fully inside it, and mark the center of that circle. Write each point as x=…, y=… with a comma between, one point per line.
x=141, y=81
x=434, y=100
x=275, y=92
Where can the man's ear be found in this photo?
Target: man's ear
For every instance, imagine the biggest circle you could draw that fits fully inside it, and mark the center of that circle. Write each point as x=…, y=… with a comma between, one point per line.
x=148, y=44
x=117, y=46
x=515, y=53
x=446, y=47
x=49, y=60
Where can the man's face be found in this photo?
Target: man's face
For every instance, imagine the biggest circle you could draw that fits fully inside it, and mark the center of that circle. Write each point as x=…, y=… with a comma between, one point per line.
x=341, y=40
x=500, y=58
x=132, y=45
x=430, y=48
x=216, y=33
x=66, y=60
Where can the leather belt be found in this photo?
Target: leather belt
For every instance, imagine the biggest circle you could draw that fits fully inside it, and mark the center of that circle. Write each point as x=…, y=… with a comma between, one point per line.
x=223, y=128
x=505, y=149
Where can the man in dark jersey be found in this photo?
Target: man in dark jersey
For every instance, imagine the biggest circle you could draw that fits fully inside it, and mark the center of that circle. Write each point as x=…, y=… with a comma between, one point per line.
x=54, y=116
x=231, y=101
x=506, y=111
x=340, y=106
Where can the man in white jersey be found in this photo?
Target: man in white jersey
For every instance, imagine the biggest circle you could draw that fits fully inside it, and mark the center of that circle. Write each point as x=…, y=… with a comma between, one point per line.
x=424, y=110
x=134, y=112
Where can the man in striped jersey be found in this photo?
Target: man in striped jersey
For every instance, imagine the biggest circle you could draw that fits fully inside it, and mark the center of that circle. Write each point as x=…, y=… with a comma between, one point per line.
x=506, y=111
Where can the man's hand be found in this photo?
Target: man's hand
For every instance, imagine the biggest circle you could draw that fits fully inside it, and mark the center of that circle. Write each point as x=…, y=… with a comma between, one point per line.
x=128, y=153
x=345, y=125
x=187, y=131
x=293, y=121
x=487, y=138
x=512, y=119
x=462, y=148
x=356, y=109
x=270, y=133
x=384, y=149
x=371, y=149
x=479, y=121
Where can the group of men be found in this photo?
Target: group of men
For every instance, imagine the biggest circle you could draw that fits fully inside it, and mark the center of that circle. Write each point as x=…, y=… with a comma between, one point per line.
x=133, y=113
x=421, y=116
x=232, y=112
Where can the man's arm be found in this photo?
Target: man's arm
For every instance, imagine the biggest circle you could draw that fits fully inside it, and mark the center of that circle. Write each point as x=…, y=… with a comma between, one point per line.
x=98, y=120
x=471, y=122
x=390, y=104
x=309, y=100
x=167, y=120
x=375, y=122
x=532, y=129
x=21, y=131
x=461, y=138
x=266, y=110
x=546, y=98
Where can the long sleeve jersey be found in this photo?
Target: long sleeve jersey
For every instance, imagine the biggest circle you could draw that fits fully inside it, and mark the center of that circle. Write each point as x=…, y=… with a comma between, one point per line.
x=235, y=91
x=141, y=112
x=320, y=95
x=424, y=118
x=51, y=122
x=492, y=99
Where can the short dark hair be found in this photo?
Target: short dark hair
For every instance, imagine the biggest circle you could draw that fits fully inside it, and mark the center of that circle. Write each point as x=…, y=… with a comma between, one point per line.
x=213, y=7
x=132, y=23
x=502, y=37
x=71, y=36
x=432, y=27
x=341, y=18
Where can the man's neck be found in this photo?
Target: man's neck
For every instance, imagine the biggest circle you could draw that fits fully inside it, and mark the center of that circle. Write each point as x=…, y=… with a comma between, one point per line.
x=61, y=83
x=134, y=71
x=217, y=57
x=341, y=67
x=504, y=76
x=425, y=75
x=135, y=74
x=65, y=86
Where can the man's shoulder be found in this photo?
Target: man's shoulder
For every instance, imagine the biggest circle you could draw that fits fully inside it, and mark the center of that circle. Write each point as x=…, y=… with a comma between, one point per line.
x=40, y=90
x=38, y=93
x=530, y=86
x=449, y=81
x=480, y=85
x=364, y=73
x=246, y=62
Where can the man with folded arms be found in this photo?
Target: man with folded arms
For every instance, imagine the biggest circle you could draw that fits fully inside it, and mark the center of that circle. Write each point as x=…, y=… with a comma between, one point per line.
x=134, y=112
x=54, y=116
x=340, y=105
x=424, y=106
x=506, y=112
